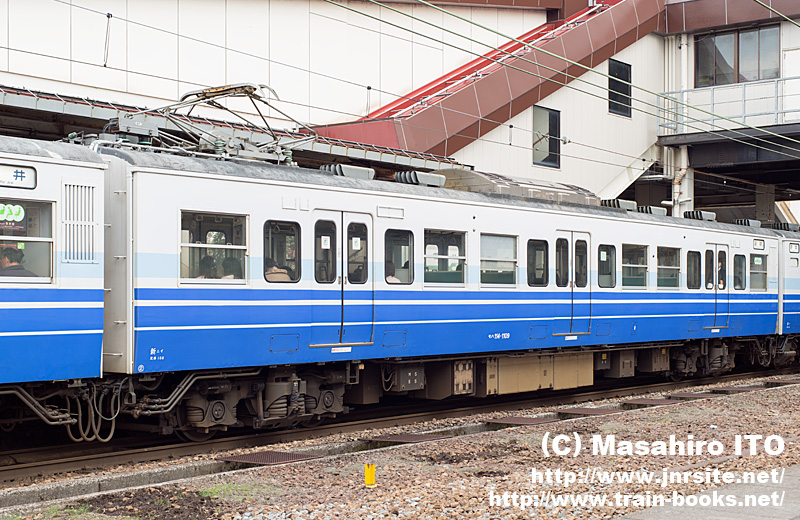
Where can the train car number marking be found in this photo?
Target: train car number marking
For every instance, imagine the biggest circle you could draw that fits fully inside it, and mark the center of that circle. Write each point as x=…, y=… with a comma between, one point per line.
x=500, y=335
x=570, y=338
x=341, y=350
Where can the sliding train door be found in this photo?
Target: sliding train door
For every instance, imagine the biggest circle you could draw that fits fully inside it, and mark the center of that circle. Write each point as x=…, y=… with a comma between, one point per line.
x=572, y=280
x=343, y=294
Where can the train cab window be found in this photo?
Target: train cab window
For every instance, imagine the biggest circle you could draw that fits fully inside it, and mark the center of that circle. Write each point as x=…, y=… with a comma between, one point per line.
x=739, y=272
x=607, y=266
x=669, y=267
x=711, y=269
x=399, y=259
x=213, y=247
x=445, y=256
x=581, y=263
x=562, y=262
x=537, y=263
x=281, y=251
x=325, y=251
x=694, y=277
x=758, y=272
x=634, y=265
x=357, y=253
x=498, y=259
x=26, y=241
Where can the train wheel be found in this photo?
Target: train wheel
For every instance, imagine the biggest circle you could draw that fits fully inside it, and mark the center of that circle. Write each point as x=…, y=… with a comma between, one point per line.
x=194, y=435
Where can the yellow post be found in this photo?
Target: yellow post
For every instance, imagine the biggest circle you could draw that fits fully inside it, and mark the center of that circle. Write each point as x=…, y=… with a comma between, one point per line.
x=369, y=475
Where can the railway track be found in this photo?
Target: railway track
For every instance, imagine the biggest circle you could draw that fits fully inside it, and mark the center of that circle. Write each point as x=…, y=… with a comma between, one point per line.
x=28, y=464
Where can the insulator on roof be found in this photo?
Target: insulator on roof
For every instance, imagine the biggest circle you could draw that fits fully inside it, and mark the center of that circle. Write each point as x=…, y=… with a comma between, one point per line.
x=423, y=179
x=627, y=205
x=348, y=170
x=652, y=210
x=785, y=226
x=709, y=216
x=747, y=222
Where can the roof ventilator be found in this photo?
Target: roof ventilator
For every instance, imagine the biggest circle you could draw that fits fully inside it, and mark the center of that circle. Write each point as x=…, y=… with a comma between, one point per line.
x=652, y=210
x=348, y=170
x=627, y=205
x=785, y=226
x=709, y=216
x=423, y=179
x=747, y=222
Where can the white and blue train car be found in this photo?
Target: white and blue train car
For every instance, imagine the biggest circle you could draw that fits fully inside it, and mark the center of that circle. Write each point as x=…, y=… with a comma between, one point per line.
x=239, y=293
x=311, y=284
x=51, y=261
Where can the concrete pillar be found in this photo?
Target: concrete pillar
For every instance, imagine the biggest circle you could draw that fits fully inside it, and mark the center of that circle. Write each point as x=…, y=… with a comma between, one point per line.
x=683, y=185
x=765, y=204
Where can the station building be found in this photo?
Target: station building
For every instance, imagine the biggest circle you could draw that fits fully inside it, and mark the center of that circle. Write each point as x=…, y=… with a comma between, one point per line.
x=671, y=103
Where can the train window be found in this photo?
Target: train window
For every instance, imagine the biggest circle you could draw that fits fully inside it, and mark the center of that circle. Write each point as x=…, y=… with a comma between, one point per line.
x=794, y=248
x=581, y=263
x=399, y=256
x=710, y=269
x=537, y=263
x=739, y=272
x=498, y=259
x=357, y=253
x=758, y=272
x=445, y=256
x=213, y=247
x=669, y=267
x=607, y=266
x=325, y=251
x=721, y=276
x=694, y=277
x=562, y=262
x=26, y=241
x=281, y=251
x=634, y=265
x=794, y=262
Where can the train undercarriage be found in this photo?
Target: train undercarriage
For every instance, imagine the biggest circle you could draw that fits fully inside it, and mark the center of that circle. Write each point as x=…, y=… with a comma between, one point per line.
x=197, y=405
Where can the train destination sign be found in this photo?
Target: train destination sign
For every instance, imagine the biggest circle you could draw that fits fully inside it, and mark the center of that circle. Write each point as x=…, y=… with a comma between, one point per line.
x=17, y=176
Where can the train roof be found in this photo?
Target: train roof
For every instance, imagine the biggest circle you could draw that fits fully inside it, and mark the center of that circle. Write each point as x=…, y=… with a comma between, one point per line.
x=268, y=171
x=273, y=172
x=49, y=150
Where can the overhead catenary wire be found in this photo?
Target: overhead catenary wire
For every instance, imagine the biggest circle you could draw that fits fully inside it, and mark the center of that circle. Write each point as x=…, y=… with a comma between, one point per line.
x=334, y=78
x=564, y=84
x=327, y=76
x=777, y=12
x=589, y=69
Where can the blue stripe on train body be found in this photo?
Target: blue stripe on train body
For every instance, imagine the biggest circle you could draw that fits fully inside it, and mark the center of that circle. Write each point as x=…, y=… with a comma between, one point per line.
x=207, y=333
x=50, y=334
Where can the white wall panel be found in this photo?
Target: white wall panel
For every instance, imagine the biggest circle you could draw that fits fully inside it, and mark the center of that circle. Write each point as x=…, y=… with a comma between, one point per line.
x=290, y=51
x=153, y=49
x=602, y=144
x=89, y=32
x=4, y=35
x=37, y=56
x=201, y=50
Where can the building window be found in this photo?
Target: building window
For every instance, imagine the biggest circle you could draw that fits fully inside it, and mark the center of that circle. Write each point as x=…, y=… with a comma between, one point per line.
x=537, y=263
x=281, y=251
x=738, y=56
x=213, y=247
x=26, y=241
x=607, y=266
x=634, y=265
x=399, y=261
x=546, y=137
x=619, y=88
x=445, y=255
x=498, y=259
